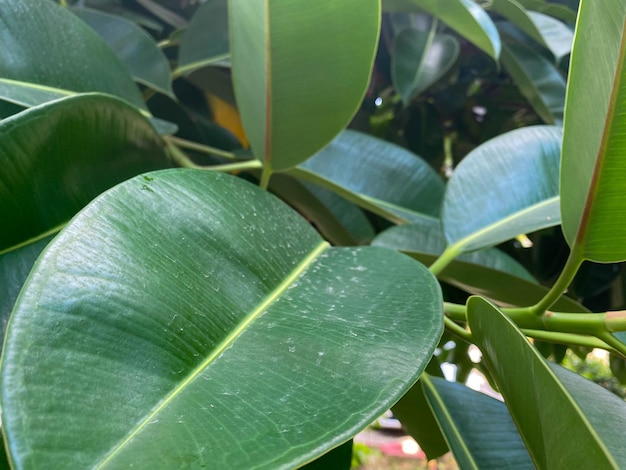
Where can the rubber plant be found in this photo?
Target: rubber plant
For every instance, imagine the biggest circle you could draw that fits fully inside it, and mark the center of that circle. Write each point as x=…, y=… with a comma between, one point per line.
x=180, y=292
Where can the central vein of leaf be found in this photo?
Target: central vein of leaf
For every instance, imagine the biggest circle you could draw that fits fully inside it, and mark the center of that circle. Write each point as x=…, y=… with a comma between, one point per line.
x=220, y=348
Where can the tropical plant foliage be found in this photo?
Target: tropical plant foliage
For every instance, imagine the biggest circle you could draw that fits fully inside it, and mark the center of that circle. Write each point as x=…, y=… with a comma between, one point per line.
x=208, y=209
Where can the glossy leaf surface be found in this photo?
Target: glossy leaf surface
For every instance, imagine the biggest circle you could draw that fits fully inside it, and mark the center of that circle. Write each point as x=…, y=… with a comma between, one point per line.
x=553, y=407
x=223, y=328
x=205, y=41
x=507, y=186
x=26, y=32
x=489, y=272
x=58, y=156
x=377, y=175
x=547, y=31
x=464, y=16
x=592, y=171
x=478, y=428
x=420, y=59
x=538, y=80
x=137, y=50
x=288, y=112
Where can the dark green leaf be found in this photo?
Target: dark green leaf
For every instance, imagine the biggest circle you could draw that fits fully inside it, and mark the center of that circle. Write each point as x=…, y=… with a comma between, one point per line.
x=137, y=50
x=77, y=60
x=205, y=41
x=58, y=156
x=478, y=428
x=505, y=187
x=376, y=175
x=195, y=303
x=419, y=59
x=538, y=80
x=541, y=404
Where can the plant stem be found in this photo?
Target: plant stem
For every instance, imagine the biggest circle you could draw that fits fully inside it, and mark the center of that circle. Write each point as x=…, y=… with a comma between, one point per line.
x=184, y=161
x=457, y=330
x=451, y=252
x=615, y=343
x=456, y=312
x=566, y=338
x=265, y=176
x=574, y=260
x=187, y=144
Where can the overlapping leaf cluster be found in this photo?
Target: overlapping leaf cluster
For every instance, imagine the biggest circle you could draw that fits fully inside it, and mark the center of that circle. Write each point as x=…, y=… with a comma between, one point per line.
x=168, y=317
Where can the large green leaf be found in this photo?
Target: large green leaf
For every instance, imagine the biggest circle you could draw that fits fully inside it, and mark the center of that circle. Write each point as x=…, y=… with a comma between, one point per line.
x=376, y=175
x=189, y=318
x=538, y=80
x=419, y=59
x=504, y=187
x=464, y=16
x=547, y=31
x=205, y=41
x=137, y=50
x=592, y=169
x=556, y=10
x=56, y=157
x=490, y=272
x=478, y=428
x=45, y=44
x=300, y=71
x=559, y=430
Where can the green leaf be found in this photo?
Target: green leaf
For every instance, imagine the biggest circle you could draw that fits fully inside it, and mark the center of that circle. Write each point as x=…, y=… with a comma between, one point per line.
x=288, y=112
x=489, y=272
x=547, y=31
x=478, y=428
x=58, y=156
x=419, y=59
x=205, y=41
x=195, y=302
x=79, y=61
x=137, y=50
x=14, y=268
x=418, y=420
x=553, y=9
x=464, y=16
x=339, y=221
x=538, y=80
x=592, y=170
x=504, y=187
x=377, y=175
x=541, y=404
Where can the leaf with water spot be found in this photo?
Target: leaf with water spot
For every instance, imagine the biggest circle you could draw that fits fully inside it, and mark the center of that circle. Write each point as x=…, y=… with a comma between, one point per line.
x=214, y=326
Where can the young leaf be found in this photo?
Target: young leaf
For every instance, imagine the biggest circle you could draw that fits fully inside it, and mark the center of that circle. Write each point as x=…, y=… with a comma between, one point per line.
x=478, y=428
x=218, y=323
x=140, y=54
x=504, y=187
x=419, y=59
x=279, y=49
x=376, y=175
x=464, y=16
x=592, y=169
x=538, y=80
x=543, y=407
x=27, y=31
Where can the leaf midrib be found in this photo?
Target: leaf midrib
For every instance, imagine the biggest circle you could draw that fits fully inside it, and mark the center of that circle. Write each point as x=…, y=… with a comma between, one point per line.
x=219, y=349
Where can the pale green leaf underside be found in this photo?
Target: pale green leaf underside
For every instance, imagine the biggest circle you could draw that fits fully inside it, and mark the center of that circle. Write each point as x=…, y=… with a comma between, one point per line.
x=541, y=421
x=288, y=113
x=200, y=317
